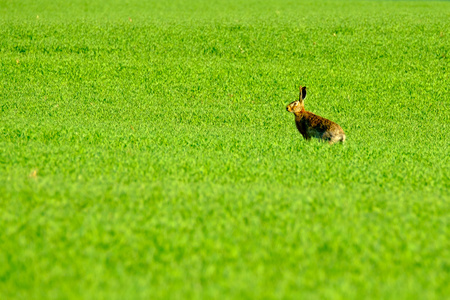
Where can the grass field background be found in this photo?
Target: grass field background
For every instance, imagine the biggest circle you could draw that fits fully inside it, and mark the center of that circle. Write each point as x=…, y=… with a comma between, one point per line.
x=145, y=150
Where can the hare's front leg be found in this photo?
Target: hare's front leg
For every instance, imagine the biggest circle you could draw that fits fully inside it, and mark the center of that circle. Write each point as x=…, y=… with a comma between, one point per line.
x=303, y=130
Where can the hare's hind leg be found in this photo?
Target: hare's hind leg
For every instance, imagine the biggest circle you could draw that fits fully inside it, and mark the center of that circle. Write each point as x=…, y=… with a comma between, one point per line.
x=328, y=137
x=332, y=138
x=337, y=138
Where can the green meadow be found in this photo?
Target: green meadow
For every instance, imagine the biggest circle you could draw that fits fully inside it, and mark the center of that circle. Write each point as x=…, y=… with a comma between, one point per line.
x=146, y=151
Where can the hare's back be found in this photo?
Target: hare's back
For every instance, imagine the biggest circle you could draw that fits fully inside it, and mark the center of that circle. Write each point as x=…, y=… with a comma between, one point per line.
x=320, y=123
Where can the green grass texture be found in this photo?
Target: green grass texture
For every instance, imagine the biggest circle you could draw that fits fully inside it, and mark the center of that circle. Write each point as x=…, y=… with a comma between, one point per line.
x=146, y=151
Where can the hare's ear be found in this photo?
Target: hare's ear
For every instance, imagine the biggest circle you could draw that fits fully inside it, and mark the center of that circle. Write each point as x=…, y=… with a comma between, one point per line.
x=303, y=93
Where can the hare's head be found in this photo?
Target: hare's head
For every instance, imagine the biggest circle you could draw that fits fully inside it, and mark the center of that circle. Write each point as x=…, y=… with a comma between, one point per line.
x=299, y=104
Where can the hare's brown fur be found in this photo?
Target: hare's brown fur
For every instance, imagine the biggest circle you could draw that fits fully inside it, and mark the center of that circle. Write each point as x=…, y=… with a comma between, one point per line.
x=311, y=125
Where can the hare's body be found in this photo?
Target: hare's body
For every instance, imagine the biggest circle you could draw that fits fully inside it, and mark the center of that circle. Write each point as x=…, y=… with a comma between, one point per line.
x=311, y=125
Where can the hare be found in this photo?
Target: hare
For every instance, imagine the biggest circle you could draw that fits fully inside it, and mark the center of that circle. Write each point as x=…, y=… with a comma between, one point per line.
x=311, y=125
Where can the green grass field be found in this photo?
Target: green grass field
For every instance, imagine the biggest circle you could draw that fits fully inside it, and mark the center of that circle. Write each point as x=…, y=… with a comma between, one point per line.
x=146, y=152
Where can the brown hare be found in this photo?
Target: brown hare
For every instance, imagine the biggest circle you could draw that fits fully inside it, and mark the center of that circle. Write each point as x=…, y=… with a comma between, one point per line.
x=311, y=125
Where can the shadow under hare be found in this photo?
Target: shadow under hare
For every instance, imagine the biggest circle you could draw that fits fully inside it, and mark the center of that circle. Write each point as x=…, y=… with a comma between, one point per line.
x=311, y=125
